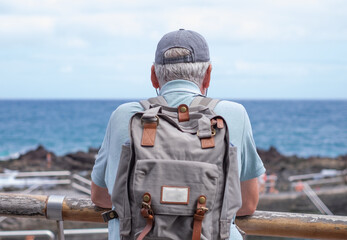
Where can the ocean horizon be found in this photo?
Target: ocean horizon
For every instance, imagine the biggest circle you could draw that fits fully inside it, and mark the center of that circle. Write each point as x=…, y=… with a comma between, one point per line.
x=295, y=127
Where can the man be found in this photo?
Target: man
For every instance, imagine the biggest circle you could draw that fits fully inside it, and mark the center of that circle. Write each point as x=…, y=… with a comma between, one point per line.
x=181, y=71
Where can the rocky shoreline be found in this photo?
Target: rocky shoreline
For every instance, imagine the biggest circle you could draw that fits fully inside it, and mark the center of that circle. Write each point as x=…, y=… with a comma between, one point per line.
x=37, y=160
x=276, y=163
x=286, y=166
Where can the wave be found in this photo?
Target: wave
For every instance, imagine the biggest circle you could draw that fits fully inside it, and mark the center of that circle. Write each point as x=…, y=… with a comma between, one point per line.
x=8, y=156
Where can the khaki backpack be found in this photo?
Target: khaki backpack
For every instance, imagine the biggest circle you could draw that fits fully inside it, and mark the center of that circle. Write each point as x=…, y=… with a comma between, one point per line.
x=178, y=176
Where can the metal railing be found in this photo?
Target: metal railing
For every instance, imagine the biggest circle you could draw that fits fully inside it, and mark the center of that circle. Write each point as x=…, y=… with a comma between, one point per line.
x=323, y=174
x=36, y=174
x=260, y=223
x=327, y=176
x=316, y=200
x=80, y=183
x=37, y=178
x=50, y=235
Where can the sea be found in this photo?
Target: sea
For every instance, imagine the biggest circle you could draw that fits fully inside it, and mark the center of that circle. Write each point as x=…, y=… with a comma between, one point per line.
x=294, y=127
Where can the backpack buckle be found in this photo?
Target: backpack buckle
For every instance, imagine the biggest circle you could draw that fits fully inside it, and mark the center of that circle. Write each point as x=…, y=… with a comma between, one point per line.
x=146, y=210
x=143, y=121
x=213, y=132
x=109, y=215
x=146, y=205
x=147, y=213
x=207, y=142
x=199, y=215
x=202, y=209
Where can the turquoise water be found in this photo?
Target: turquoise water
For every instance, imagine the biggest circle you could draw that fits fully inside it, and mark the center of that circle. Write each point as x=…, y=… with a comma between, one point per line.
x=304, y=128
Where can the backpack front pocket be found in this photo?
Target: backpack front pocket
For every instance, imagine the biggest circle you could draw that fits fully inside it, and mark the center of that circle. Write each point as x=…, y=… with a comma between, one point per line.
x=174, y=186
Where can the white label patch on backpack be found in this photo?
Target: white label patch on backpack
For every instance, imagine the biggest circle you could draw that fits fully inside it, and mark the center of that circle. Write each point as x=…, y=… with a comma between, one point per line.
x=174, y=195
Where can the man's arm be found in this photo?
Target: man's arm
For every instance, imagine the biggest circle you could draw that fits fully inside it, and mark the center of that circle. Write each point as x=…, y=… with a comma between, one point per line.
x=250, y=197
x=108, y=157
x=100, y=196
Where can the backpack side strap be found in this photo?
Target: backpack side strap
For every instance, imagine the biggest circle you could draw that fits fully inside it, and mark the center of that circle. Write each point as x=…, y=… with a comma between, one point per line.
x=205, y=101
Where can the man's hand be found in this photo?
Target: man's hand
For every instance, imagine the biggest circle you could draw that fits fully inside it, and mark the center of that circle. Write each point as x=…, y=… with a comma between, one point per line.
x=250, y=197
x=100, y=196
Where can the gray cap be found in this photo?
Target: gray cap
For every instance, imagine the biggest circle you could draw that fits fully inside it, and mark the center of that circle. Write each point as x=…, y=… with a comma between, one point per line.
x=188, y=39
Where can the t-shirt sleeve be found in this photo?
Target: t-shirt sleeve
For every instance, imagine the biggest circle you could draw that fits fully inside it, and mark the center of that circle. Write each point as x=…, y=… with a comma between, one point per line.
x=98, y=173
x=117, y=133
x=252, y=165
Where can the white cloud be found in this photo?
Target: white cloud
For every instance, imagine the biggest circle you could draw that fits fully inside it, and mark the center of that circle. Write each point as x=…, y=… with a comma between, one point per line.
x=76, y=43
x=66, y=69
x=265, y=20
x=117, y=38
x=115, y=24
x=292, y=69
x=270, y=68
x=25, y=25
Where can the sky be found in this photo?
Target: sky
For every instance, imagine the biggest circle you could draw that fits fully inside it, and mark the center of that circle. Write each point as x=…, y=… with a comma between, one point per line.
x=84, y=49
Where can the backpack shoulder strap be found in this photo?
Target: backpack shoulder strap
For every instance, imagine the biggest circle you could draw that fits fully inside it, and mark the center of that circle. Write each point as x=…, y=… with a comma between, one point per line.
x=196, y=101
x=205, y=101
x=160, y=100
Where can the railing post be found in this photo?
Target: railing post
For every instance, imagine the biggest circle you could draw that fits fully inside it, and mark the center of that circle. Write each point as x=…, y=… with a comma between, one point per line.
x=60, y=225
x=54, y=212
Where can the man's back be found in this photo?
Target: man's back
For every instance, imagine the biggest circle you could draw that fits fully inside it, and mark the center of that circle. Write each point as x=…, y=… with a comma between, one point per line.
x=175, y=92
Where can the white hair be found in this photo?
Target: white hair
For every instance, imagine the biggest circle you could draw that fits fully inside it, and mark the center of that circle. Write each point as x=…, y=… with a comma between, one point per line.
x=194, y=72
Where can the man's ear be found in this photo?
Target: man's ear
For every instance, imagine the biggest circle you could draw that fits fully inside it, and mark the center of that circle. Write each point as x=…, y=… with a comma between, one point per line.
x=207, y=78
x=154, y=78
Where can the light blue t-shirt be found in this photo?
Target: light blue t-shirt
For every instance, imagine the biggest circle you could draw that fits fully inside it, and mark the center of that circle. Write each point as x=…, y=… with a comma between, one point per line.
x=175, y=93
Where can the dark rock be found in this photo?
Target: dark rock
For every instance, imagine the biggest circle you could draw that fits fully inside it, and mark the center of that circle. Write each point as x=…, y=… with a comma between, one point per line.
x=34, y=160
x=37, y=160
x=286, y=166
x=82, y=157
x=40, y=153
x=93, y=150
x=70, y=163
